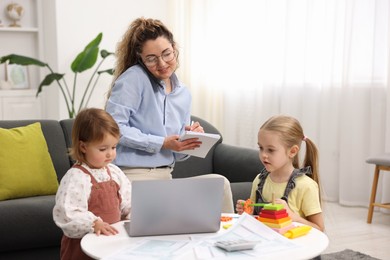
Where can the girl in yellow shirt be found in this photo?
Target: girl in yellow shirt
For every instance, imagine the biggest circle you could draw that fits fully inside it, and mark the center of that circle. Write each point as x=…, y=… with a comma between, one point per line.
x=279, y=140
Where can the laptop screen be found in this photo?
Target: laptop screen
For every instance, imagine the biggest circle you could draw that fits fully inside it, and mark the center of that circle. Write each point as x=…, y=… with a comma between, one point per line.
x=177, y=206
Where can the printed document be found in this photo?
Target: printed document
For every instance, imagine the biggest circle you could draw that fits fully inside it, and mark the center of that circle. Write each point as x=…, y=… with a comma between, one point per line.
x=248, y=228
x=201, y=246
x=208, y=140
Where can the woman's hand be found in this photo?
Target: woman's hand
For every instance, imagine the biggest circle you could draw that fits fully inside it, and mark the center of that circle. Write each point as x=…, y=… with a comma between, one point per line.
x=172, y=143
x=194, y=127
x=101, y=227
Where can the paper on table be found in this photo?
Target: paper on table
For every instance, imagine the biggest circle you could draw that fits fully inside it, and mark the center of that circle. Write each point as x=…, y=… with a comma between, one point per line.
x=246, y=227
x=149, y=248
x=208, y=140
x=160, y=247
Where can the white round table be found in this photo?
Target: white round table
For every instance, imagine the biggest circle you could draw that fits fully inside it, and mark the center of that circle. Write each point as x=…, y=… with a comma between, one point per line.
x=97, y=247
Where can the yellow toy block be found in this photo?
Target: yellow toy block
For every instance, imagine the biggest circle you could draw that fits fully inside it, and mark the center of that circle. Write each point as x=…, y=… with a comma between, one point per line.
x=297, y=232
x=279, y=225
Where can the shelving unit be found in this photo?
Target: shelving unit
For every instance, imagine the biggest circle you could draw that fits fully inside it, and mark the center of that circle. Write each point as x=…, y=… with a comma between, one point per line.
x=20, y=30
x=27, y=41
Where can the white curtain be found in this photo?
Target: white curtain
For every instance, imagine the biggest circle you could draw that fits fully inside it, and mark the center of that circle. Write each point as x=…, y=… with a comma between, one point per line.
x=324, y=62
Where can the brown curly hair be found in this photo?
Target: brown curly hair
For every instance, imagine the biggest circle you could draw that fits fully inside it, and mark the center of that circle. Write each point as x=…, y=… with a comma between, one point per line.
x=129, y=48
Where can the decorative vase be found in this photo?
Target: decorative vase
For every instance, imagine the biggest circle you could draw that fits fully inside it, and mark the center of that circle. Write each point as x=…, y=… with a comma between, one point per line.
x=15, y=12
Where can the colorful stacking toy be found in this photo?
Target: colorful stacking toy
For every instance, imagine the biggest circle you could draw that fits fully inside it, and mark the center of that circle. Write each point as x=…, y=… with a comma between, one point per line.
x=273, y=215
x=276, y=217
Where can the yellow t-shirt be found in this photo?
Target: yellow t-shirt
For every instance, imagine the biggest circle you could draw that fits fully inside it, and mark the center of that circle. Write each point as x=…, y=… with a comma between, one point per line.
x=303, y=199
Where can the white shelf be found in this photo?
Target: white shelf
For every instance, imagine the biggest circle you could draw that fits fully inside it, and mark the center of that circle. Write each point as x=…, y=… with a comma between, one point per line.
x=18, y=29
x=17, y=92
x=25, y=40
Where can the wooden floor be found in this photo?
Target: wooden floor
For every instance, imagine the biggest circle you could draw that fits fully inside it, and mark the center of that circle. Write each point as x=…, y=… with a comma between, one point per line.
x=347, y=228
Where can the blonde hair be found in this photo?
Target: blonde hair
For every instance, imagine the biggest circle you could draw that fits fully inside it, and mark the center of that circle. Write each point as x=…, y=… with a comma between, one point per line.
x=130, y=47
x=91, y=125
x=291, y=133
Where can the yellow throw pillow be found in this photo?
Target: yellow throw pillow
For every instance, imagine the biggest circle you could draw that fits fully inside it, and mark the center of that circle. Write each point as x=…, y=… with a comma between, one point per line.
x=26, y=168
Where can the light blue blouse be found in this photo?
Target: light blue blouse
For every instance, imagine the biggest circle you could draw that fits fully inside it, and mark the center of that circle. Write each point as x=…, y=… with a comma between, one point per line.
x=146, y=115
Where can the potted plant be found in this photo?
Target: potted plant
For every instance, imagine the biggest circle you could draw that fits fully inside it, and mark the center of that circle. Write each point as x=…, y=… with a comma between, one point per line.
x=83, y=61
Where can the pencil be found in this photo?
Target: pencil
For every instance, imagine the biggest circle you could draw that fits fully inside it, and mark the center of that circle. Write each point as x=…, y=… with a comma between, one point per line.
x=256, y=204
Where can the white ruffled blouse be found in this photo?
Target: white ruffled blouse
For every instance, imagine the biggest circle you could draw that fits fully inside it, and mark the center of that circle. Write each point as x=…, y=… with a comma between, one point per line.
x=71, y=213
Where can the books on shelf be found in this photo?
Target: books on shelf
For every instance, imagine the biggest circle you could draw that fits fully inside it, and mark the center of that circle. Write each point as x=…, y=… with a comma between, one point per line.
x=208, y=140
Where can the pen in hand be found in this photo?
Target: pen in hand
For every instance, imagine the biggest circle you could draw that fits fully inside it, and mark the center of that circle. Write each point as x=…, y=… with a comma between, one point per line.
x=195, y=127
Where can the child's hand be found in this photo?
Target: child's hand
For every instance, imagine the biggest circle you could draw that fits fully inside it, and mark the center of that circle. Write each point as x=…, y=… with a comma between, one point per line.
x=291, y=214
x=240, y=206
x=104, y=228
x=315, y=220
x=244, y=206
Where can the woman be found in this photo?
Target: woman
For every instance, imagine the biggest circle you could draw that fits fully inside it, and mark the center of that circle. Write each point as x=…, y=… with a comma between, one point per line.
x=150, y=105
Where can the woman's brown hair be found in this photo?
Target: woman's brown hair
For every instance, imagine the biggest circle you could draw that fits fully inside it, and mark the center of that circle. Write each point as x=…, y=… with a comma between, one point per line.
x=129, y=48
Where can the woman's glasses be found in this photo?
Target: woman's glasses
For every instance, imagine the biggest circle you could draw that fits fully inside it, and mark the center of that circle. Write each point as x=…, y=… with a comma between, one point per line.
x=166, y=56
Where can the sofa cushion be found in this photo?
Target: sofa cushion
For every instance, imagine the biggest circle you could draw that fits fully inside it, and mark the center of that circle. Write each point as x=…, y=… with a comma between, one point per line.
x=26, y=168
x=27, y=223
x=238, y=164
x=241, y=191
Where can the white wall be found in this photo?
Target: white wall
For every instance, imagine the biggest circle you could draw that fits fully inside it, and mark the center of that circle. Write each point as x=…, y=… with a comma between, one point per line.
x=78, y=22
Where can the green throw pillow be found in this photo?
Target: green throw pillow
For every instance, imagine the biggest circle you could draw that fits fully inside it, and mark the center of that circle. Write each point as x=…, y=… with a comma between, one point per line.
x=26, y=168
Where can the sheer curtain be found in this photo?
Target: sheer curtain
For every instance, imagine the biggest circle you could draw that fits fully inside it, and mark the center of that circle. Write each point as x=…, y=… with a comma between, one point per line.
x=323, y=61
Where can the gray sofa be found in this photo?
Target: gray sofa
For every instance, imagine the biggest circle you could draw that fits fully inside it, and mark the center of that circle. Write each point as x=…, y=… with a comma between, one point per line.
x=27, y=230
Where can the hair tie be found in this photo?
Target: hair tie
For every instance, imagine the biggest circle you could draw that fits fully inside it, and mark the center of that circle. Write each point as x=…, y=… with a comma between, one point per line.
x=304, y=138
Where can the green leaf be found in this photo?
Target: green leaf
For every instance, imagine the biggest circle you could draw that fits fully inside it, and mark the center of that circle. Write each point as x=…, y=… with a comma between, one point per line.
x=84, y=60
x=21, y=60
x=109, y=71
x=88, y=57
x=48, y=80
x=104, y=54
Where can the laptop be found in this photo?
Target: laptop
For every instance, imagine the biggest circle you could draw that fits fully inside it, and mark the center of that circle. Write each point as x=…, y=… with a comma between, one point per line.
x=177, y=206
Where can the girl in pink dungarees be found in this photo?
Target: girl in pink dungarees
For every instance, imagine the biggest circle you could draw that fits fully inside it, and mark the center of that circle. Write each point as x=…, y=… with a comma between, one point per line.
x=94, y=193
